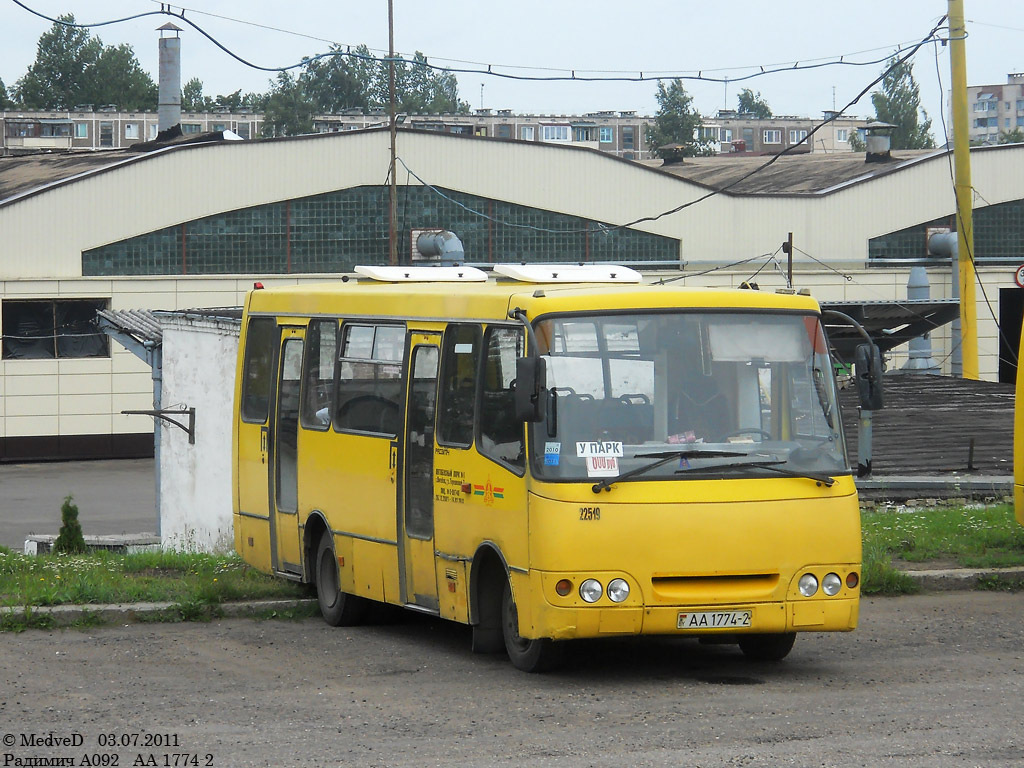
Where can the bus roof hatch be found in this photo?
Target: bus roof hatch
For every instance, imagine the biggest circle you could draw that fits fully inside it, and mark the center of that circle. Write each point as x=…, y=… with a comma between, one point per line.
x=568, y=273
x=423, y=274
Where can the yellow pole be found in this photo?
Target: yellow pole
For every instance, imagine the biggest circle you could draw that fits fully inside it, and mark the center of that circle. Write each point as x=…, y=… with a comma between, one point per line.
x=964, y=191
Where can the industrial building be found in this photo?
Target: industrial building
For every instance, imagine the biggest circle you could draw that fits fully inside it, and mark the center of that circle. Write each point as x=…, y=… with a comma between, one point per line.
x=193, y=225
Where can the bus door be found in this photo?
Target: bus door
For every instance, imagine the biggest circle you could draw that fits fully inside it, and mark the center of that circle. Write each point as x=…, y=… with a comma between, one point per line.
x=283, y=463
x=417, y=527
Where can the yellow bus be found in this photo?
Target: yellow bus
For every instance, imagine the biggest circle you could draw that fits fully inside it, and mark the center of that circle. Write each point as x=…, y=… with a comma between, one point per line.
x=548, y=453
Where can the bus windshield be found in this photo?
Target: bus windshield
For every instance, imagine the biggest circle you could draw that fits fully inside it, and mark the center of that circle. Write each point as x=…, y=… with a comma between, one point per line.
x=686, y=395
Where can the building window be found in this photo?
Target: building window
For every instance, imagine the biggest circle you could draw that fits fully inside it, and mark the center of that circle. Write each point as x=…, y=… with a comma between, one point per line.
x=527, y=133
x=1020, y=121
x=131, y=130
x=53, y=328
x=627, y=137
x=191, y=128
x=725, y=134
x=842, y=135
x=106, y=133
x=242, y=129
x=1020, y=104
x=555, y=133
x=707, y=132
x=81, y=130
x=772, y=136
x=584, y=133
x=152, y=131
x=503, y=131
x=607, y=134
x=219, y=126
x=795, y=137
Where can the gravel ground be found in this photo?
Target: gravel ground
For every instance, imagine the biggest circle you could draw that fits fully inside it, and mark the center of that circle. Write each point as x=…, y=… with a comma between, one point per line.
x=931, y=680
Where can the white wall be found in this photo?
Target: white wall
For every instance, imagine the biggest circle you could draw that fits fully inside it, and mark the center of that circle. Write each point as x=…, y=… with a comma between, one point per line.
x=195, y=480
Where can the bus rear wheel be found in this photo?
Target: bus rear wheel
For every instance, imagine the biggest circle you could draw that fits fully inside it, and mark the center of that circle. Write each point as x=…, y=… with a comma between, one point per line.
x=338, y=608
x=539, y=655
x=767, y=647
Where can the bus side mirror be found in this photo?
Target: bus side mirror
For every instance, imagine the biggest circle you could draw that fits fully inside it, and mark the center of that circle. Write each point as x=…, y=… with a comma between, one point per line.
x=531, y=378
x=868, y=375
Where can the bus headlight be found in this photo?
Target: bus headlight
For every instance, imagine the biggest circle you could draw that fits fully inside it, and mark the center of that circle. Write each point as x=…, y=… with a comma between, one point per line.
x=618, y=590
x=808, y=585
x=831, y=584
x=591, y=590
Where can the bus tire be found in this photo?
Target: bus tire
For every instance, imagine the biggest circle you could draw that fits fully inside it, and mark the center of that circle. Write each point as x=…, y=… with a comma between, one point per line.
x=338, y=608
x=767, y=647
x=539, y=655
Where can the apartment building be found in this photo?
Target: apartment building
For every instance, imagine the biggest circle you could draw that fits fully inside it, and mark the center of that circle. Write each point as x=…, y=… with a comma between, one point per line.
x=993, y=110
x=86, y=128
x=731, y=132
x=618, y=133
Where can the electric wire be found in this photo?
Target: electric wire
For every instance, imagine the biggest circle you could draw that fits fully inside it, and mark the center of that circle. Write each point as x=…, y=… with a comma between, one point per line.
x=489, y=71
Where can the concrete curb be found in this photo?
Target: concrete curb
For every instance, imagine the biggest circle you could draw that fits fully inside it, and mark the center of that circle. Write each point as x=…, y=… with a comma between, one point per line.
x=123, y=613
x=967, y=578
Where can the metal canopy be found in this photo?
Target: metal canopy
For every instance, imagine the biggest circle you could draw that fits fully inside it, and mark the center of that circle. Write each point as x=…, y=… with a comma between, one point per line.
x=889, y=323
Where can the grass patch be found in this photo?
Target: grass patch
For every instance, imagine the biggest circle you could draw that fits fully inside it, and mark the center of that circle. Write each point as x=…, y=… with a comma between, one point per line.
x=195, y=583
x=969, y=537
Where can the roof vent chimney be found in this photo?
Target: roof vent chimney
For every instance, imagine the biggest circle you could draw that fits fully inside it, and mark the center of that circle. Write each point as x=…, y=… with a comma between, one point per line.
x=879, y=142
x=169, y=108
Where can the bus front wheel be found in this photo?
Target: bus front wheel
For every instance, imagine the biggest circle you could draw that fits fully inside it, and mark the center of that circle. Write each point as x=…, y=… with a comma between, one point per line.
x=338, y=608
x=539, y=655
x=767, y=647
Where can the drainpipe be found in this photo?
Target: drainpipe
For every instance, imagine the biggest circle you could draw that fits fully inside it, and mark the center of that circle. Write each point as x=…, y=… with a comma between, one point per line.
x=155, y=356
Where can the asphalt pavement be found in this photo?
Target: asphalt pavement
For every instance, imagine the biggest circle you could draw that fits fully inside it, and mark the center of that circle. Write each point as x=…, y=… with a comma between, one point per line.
x=115, y=496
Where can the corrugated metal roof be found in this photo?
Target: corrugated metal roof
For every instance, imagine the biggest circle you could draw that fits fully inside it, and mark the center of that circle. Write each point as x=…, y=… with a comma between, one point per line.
x=140, y=323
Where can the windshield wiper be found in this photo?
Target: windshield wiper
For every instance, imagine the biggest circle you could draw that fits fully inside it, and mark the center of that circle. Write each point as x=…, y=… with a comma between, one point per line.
x=664, y=457
x=772, y=466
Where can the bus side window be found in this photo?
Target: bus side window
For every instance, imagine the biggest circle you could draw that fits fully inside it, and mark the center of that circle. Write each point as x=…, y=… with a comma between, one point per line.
x=260, y=346
x=501, y=436
x=368, y=395
x=318, y=374
x=459, y=366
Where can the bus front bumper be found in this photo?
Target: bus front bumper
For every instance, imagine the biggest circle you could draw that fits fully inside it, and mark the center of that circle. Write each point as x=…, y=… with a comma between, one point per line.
x=567, y=623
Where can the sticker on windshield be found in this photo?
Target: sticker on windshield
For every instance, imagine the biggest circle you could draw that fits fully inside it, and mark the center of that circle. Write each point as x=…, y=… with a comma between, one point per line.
x=552, y=454
x=600, y=456
x=602, y=466
x=607, y=448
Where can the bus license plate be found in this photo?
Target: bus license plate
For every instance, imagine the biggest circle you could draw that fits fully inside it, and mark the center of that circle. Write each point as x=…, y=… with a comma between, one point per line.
x=713, y=619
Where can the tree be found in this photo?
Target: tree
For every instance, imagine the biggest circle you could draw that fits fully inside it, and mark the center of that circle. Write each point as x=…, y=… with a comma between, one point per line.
x=899, y=103
x=69, y=539
x=57, y=79
x=5, y=101
x=673, y=134
x=1016, y=136
x=192, y=98
x=289, y=110
x=118, y=78
x=751, y=103
x=72, y=67
x=338, y=82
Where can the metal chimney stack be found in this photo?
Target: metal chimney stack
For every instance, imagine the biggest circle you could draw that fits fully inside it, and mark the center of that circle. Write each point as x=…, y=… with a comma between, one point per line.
x=169, y=110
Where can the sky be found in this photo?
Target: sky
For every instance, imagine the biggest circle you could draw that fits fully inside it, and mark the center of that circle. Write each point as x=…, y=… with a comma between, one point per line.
x=540, y=38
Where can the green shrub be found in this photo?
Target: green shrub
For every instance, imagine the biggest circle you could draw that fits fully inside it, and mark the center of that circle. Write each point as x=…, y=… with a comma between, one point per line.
x=70, y=539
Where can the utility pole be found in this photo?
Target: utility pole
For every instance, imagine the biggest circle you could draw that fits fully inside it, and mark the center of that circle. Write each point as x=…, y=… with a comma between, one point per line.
x=963, y=190
x=393, y=185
